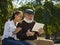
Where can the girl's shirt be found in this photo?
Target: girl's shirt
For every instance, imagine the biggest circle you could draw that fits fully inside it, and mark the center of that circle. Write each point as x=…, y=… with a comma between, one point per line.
x=8, y=29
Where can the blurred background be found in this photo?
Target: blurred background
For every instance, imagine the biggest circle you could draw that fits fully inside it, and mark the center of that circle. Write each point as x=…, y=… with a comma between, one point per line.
x=46, y=11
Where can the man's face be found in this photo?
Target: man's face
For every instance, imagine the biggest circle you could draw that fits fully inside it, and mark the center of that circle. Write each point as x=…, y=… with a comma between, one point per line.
x=29, y=16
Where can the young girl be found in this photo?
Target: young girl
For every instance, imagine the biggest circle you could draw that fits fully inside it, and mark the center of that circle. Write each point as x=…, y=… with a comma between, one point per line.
x=10, y=30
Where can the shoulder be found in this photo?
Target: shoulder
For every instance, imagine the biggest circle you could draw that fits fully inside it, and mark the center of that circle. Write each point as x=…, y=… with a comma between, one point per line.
x=21, y=22
x=34, y=22
x=7, y=22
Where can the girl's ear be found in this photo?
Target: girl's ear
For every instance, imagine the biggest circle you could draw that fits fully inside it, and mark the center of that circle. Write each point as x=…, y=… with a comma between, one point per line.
x=15, y=16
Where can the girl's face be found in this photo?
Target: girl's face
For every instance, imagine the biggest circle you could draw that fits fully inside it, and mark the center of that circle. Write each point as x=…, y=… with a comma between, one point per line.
x=18, y=17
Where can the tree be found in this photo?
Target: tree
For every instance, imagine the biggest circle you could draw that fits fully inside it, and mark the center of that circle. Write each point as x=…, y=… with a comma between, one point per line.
x=53, y=18
x=27, y=6
x=46, y=0
x=5, y=9
x=47, y=14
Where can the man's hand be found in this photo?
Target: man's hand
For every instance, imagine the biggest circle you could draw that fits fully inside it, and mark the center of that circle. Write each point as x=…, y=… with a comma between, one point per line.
x=41, y=31
x=29, y=33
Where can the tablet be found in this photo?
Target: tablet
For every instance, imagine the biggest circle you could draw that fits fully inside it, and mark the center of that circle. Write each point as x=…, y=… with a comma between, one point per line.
x=37, y=26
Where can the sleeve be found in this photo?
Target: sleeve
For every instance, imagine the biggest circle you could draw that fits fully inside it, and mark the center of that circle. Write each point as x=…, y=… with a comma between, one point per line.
x=22, y=36
x=36, y=33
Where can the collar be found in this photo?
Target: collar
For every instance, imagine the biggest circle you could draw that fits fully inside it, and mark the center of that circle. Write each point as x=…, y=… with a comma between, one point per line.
x=28, y=21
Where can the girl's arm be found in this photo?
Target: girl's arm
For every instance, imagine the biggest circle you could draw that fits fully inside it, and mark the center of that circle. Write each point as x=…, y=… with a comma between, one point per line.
x=17, y=30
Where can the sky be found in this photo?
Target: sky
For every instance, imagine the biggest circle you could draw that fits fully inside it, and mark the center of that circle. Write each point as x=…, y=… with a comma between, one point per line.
x=16, y=2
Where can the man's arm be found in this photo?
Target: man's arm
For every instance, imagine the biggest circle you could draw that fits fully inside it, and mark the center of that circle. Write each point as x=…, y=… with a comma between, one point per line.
x=21, y=36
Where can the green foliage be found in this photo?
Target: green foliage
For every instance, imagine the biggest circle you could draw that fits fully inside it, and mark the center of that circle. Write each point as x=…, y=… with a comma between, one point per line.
x=24, y=7
x=38, y=13
x=49, y=14
x=5, y=11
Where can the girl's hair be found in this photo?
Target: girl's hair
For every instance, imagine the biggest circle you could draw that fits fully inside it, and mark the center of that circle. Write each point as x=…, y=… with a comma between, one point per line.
x=15, y=13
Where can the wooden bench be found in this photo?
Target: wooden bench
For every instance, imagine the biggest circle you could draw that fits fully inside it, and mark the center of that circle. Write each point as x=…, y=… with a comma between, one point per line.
x=42, y=41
